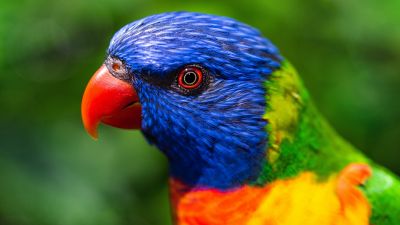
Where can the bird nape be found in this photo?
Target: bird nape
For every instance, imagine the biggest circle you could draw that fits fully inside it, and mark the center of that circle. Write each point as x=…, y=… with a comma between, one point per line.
x=244, y=142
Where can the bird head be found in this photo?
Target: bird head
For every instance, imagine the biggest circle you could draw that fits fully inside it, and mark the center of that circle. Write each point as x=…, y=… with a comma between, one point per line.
x=195, y=85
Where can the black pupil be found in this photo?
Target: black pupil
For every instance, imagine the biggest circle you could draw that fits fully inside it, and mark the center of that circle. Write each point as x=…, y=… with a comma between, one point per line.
x=190, y=78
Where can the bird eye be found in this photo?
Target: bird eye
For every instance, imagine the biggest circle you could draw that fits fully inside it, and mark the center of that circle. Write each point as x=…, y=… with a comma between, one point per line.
x=116, y=67
x=190, y=77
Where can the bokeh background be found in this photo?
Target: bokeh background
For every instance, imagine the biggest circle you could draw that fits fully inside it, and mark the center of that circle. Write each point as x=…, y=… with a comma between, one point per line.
x=53, y=173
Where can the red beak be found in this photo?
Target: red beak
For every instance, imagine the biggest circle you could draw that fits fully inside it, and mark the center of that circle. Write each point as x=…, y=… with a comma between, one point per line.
x=111, y=101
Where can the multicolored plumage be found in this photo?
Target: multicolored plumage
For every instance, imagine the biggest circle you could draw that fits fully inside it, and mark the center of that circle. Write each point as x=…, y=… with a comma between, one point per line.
x=244, y=141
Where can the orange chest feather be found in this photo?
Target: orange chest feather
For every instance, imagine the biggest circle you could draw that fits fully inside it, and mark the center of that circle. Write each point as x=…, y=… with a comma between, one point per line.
x=300, y=200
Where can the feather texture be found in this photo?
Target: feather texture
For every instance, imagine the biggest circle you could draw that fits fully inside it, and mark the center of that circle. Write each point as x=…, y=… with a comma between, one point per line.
x=300, y=200
x=249, y=147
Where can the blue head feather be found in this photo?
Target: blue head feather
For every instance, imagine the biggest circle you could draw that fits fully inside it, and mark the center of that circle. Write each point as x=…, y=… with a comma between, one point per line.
x=215, y=138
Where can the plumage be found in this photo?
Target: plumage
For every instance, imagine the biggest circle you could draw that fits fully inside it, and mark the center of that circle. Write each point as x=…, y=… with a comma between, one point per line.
x=245, y=144
x=342, y=202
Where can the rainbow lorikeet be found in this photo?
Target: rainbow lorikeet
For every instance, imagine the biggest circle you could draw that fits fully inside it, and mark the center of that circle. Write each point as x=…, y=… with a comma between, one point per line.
x=244, y=141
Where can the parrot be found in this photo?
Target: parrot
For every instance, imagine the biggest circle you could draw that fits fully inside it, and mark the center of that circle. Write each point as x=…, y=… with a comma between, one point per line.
x=245, y=143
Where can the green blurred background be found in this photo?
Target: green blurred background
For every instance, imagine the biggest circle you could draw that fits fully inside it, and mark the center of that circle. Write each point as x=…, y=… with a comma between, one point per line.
x=53, y=173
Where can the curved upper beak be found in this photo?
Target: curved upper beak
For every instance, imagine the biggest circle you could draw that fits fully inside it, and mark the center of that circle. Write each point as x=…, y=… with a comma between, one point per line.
x=111, y=101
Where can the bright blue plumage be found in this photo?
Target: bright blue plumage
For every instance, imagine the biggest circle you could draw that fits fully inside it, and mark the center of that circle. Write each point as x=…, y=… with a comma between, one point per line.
x=218, y=136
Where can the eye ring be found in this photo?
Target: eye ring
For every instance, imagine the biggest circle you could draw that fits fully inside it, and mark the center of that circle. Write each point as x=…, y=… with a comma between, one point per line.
x=190, y=77
x=117, y=68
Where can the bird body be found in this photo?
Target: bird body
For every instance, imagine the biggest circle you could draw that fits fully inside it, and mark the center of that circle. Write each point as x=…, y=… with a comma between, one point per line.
x=311, y=175
x=244, y=141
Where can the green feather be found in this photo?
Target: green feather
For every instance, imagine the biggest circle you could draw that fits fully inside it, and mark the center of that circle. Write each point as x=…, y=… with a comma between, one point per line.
x=301, y=140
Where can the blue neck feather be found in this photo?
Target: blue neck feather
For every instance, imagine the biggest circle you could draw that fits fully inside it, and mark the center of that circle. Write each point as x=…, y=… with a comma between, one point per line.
x=216, y=138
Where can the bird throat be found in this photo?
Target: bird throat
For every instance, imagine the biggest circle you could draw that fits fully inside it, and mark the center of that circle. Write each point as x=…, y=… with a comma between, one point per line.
x=221, y=145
